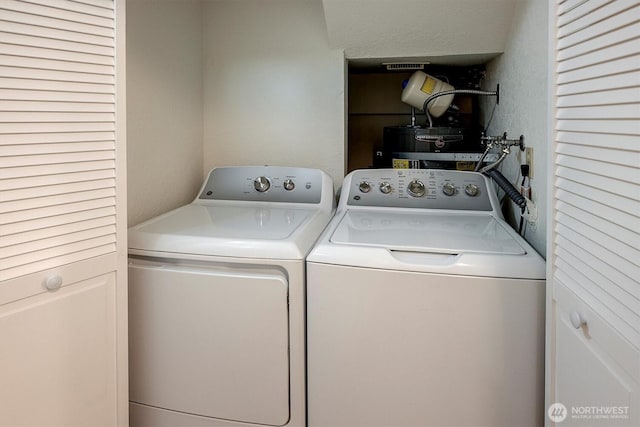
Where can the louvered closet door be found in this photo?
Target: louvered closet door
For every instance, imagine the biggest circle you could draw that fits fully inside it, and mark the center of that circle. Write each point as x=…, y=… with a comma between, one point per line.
x=57, y=133
x=62, y=297
x=595, y=189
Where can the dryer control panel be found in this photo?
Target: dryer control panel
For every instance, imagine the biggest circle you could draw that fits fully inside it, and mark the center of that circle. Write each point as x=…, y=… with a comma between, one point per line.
x=267, y=184
x=417, y=188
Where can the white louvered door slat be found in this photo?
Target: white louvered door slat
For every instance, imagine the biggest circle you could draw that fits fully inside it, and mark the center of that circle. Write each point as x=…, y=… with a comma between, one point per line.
x=56, y=33
x=608, y=66
x=44, y=138
x=621, y=96
x=572, y=14
x=40, y=43
x=607, y=10
x=596, y=167
x=565, y=6
x=49, y=64
x=61, y=76
x=56, y=85
x=26, y=205
x=612, y=31
x=50, y=231
x=50, y=170
x=597, y=86
x=625, y=127
x=45, y=180
x=49, y=211
x=594, y=240
x=595, y=208
x=64, y=147
x=19, y=232
x=622, y=111
x=599, y=153
x=608, y=30
x=606, y=199
x=70, y=107
x=45, y=21
x=20, y=194
x=68, y=11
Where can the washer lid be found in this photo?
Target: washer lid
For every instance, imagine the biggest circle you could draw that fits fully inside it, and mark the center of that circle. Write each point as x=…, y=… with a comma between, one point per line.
x=248, y=231
x=448, y=233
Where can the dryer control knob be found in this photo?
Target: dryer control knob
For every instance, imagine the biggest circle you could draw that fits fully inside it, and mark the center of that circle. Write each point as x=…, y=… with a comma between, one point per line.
x=449, y=189
x=364, y=187
x=261, y=184
x=416, y=188
x=288, y=184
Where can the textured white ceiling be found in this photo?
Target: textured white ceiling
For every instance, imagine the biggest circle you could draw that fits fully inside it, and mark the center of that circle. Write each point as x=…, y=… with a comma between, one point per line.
x=429, y=29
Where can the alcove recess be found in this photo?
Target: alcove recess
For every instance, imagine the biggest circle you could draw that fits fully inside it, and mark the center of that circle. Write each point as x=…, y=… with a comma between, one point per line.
x=374, y=102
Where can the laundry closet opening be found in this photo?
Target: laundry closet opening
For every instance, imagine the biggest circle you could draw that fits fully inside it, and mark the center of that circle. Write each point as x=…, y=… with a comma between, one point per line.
x=385, y=132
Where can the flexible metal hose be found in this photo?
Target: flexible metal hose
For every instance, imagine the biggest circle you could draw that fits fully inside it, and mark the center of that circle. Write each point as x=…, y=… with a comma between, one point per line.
x=479, y=164
x=453, y=92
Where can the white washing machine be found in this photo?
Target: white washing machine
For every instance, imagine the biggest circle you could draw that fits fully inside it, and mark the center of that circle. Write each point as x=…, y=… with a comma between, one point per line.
x=216, y=301
x=424, y=308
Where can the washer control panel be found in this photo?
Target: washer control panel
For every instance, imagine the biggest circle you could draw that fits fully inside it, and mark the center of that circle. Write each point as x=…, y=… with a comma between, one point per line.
x=264, y=183
x=417, y=188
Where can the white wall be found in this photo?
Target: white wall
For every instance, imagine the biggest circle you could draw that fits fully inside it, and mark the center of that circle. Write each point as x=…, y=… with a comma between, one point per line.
x=433, y=29
x=522, y=74
x=164, y=105
x=273, y=89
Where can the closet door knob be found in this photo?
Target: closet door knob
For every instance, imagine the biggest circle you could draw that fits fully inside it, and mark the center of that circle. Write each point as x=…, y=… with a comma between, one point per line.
x=577, y=320
x=53, y=283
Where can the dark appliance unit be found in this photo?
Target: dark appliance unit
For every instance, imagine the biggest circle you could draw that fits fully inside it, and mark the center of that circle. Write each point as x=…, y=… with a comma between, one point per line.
x=421, y=147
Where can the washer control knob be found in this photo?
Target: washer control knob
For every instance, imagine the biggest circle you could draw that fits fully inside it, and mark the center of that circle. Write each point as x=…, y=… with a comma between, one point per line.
x=471, y=190
x=385, y=187
x=449, y=189
x=416, y=188
x=364, y=187
x=261, y=184
x=288, y=184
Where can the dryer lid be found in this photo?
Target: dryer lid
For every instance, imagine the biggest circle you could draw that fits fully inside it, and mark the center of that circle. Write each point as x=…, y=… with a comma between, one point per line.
x=448, y=233
x=248, y=231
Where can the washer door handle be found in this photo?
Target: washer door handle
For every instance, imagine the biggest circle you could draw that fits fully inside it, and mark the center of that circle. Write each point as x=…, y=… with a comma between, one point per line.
x=424, y=258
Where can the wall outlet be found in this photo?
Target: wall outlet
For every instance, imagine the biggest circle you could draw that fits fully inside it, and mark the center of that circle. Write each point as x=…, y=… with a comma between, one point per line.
x=532, y=212
x=528, y=160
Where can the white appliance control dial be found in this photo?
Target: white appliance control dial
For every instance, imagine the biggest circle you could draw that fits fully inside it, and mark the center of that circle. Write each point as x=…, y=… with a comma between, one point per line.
x=288, y=184
x=261, y=184
x=364, y=187
x=471, y=190
x=416, y=188
x=448, y=189
x=385, y=187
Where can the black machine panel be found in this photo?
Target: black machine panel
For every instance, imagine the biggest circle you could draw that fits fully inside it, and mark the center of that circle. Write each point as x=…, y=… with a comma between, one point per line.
x=421, y=147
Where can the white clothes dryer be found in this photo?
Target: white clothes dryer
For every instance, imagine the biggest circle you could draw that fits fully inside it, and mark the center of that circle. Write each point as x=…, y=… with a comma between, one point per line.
x=424, y=307
x=216, y=301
